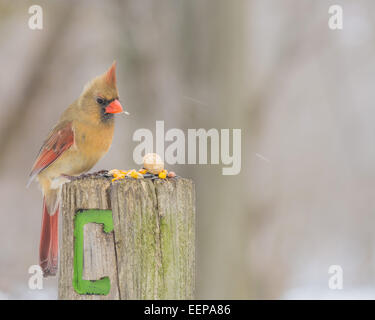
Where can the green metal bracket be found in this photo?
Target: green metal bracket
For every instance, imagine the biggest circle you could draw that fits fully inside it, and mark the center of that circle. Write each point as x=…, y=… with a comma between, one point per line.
x=101, y=286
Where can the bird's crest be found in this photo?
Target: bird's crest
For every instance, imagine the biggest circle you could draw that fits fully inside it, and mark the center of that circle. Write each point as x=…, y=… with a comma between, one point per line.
x=110, y=75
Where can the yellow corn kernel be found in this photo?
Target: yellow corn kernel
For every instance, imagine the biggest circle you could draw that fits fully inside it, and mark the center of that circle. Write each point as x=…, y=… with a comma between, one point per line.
x=162, y=175
x=134, y=174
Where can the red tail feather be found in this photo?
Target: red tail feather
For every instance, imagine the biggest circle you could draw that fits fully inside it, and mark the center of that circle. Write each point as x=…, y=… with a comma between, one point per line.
x=49, y=242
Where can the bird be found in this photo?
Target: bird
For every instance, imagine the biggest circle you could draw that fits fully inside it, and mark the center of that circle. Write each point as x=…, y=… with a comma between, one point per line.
x=82, y=135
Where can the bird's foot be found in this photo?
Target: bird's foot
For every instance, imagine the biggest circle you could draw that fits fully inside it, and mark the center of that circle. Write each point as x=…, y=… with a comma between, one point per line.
x=101, y=173
x=70, y=178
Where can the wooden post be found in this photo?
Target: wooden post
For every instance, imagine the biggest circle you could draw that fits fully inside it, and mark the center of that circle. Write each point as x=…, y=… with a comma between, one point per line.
x=140, y=246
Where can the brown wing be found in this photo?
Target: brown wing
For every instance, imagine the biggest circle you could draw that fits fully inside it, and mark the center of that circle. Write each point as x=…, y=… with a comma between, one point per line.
x=59, y=140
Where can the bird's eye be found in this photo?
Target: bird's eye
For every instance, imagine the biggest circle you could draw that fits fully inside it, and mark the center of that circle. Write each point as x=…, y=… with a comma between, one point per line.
x=101, y=101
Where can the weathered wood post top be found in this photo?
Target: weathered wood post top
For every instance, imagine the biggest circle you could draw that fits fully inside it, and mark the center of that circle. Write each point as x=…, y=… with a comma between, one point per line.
x=127, y=239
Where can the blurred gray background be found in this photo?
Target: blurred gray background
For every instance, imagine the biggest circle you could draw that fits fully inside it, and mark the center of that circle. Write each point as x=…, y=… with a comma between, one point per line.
x=301, y=93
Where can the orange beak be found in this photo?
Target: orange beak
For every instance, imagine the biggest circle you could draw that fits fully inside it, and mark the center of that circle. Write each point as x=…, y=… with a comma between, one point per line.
x=114, y=107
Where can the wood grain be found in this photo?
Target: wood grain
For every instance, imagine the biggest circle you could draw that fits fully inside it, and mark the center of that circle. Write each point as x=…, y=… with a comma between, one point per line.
x=151, y=252
x=88, y=193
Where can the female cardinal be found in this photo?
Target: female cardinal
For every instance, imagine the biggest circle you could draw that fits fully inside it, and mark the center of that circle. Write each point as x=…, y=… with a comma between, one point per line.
x=76, y=143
